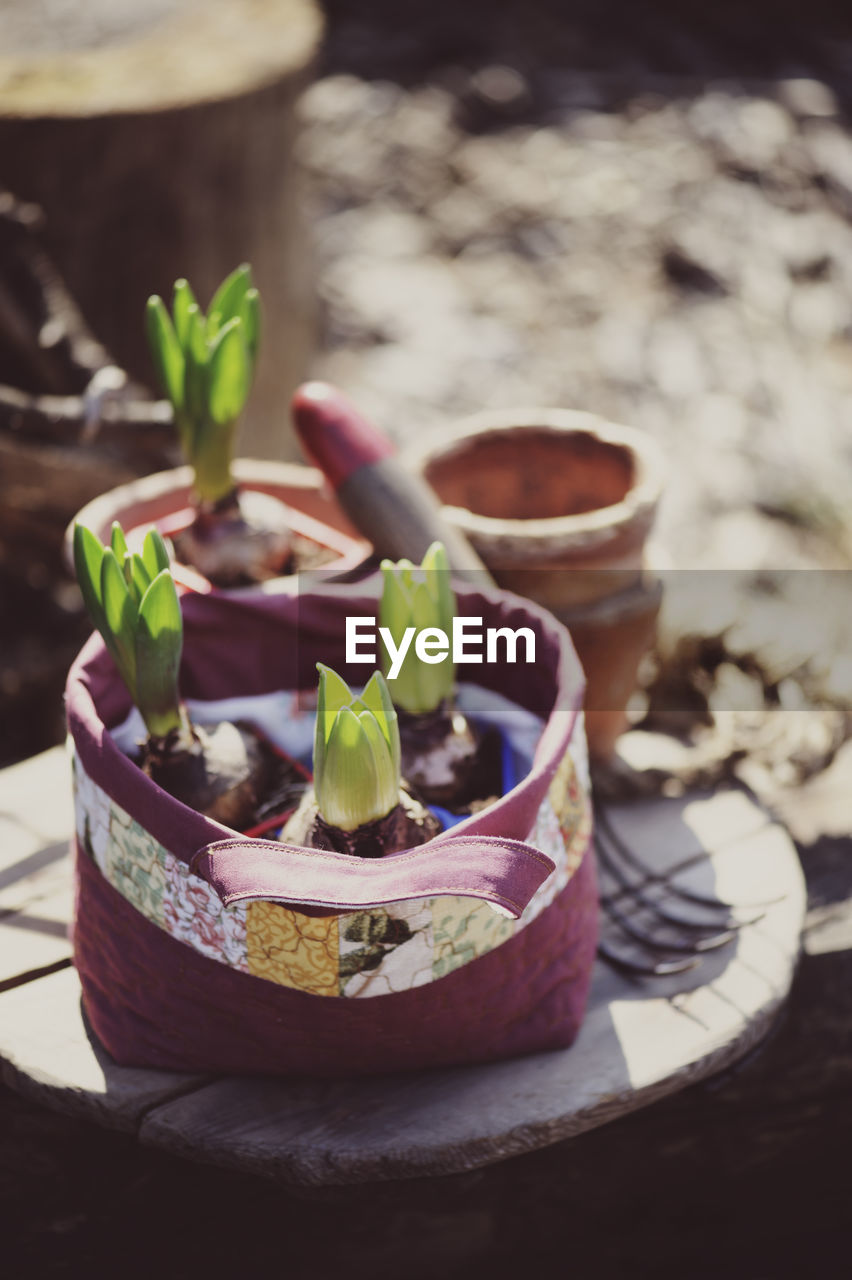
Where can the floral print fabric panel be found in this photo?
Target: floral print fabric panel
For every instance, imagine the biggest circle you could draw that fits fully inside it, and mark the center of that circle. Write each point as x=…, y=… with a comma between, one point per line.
x=562, y=829
x=156, y=882
x=136, y=865
x=570, y=797
x=194, y=914
x=463, y=930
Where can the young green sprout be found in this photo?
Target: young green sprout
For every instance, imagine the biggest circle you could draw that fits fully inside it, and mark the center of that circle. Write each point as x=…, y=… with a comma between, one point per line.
x=132, y=601
x=419, y=597
x=358, y=804
x=443, y=757
x=205, y=366
x=222, y=770
x=356, y=752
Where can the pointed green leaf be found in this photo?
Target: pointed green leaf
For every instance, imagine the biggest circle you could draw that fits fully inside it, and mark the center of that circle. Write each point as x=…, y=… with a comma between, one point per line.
x=420, y=597
x=406, y=603
x=386, y=768
x=437, y=564
x=196, y=374
x=432, y=558
x=160, y=608
x=228, y=298
x=182, y=300
x=136, y=576
x=356, y=756
x=121, y=617
x=88, y=555
x=229, y=376
x=334, y=693
x=197, y=334
x=395, y=606
x=347, y=790
x=126, y=566
x=423, y=610
x=117, y=541
x=373, y=699
x=155, y=553
x=234, y=323
x=377, y=699
x=250, y=315
x=159, y=641
x=183, y=304
x=165, y=351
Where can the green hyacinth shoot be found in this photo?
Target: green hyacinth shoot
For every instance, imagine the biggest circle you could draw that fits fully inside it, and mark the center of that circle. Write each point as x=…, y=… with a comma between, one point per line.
x=132, y=601
x=420, y=598
x=205, y=365
x=356, y=751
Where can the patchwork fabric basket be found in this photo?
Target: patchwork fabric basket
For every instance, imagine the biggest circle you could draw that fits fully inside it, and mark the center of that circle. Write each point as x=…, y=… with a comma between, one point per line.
x=199, y=949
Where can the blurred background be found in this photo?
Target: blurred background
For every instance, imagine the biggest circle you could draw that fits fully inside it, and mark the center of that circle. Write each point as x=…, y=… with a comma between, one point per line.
x=640, y=208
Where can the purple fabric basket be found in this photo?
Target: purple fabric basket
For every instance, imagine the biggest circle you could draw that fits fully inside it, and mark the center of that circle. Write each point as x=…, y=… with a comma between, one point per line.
x=201, y=950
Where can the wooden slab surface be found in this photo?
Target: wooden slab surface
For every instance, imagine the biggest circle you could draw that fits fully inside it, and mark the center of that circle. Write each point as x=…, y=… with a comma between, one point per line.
x=36, y=897
x=48, y=1053
x=642, y=1038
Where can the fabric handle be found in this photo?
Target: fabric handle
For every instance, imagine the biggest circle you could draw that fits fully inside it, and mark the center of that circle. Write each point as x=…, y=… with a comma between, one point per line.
x=504, y=872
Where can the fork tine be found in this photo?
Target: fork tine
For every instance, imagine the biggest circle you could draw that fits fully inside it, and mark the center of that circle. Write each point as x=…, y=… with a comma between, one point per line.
x=656, y=969
x=657, y=877
x=653, y=943
x=634, y=890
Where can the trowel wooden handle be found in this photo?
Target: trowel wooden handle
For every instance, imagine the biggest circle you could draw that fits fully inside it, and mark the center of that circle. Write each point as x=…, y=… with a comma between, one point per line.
x=391, y=506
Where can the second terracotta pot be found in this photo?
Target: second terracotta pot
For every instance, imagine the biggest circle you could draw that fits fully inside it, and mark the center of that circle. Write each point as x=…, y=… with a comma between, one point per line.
x=163, y=499
x=559, y=505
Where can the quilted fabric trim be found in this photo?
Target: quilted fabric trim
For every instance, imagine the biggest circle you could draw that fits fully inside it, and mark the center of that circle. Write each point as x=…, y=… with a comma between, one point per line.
x=355, y=955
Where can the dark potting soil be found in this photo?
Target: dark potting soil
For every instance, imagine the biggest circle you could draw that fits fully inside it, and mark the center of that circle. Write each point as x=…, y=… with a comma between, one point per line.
x=291, y=781
x=449, y=762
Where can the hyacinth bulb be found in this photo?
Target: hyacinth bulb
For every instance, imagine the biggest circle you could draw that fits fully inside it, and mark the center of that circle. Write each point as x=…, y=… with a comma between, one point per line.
x=356, y=752
x=420, y=597
x=132, y=601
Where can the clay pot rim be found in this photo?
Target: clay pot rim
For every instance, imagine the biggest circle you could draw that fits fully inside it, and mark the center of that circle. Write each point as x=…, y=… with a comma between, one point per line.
x=587, y=528
x=169, y=491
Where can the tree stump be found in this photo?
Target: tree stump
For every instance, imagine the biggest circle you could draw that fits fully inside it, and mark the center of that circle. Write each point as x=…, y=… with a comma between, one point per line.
x=158, y=136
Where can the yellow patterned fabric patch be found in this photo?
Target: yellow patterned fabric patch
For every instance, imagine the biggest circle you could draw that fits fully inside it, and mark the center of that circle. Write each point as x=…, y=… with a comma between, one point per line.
x=293, y=950
x=569, y=799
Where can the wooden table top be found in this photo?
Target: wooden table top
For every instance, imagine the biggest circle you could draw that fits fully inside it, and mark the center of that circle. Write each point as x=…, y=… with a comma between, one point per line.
x=642, y=1037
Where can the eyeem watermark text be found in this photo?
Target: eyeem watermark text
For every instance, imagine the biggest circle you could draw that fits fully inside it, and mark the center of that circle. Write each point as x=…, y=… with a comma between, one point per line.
x=469, y=643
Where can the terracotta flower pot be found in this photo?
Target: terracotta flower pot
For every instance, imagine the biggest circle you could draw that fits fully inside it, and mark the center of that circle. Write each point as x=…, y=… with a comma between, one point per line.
x=163, y=500
x=559, y=505
x=199, y=949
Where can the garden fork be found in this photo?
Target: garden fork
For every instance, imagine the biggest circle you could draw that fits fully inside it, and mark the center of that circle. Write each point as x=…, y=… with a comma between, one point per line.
x=652, y=926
